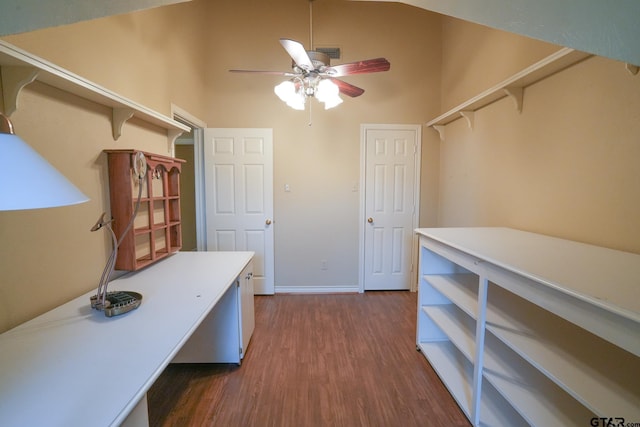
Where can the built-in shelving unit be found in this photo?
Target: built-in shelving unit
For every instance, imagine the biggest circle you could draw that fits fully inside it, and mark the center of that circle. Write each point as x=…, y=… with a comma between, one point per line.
x=19, y=68
x=512, y=87
x=526, y=324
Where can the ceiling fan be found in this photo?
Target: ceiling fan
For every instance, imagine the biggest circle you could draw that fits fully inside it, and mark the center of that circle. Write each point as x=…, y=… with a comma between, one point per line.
x=312, y=75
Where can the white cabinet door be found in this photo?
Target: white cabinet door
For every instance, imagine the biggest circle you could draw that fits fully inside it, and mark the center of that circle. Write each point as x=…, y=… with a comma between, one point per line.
x=239, y=197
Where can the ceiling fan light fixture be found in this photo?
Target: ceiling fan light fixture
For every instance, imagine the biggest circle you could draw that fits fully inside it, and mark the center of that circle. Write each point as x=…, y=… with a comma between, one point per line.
x=332, y=102
x=288, y=93
x=285, y=90
x=295, y=95
x=328, y=93
x=313, y=76
x=297, y=102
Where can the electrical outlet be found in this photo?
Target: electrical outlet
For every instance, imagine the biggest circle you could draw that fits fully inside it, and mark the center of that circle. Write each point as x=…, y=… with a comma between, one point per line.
x=324, y=265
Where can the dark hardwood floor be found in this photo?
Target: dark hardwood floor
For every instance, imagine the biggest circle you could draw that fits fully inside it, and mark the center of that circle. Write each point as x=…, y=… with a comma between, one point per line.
x=315, y=360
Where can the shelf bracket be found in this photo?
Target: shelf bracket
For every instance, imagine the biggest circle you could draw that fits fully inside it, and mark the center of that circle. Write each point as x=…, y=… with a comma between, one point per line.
x=14, y=79
x=172, y=135
x=633, y=69
x=120, y=116
x=440, y=129
x=517, y=94
x=469, y=117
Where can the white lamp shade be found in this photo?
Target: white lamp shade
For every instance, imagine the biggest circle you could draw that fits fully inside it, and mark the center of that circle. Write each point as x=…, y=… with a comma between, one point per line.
x=28, y=181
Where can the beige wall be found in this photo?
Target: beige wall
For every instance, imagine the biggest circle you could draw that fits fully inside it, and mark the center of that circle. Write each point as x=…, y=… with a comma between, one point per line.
x=475, y=58
x=154, y=57
x=180, y=54
x=49, y=256
x=567, y=166
x=318, y=219
x=187, y=196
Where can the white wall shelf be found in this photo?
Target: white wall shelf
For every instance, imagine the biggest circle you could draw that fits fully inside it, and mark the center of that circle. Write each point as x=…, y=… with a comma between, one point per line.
x=19, y=68
x=512, y=87
x=532, y=355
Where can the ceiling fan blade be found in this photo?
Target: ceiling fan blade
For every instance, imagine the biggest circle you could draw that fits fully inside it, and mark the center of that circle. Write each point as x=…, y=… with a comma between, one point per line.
x=360, y=67
x=275, y=73
x=347, y=88
x=297, y=53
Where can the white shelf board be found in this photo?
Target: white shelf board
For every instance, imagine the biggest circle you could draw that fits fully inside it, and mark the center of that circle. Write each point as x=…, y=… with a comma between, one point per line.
x=456, y=374
x=457, y=325
x=535, y=397
x=454, y=370
x=460, y=289
x=429, y=295
x=53, y=75
x=553, y=63
x=511, y=375
x=592, y=370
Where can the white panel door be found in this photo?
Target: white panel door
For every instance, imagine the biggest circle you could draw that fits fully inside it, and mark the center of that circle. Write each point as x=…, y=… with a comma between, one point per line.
x=390, y=206
x=239, y=197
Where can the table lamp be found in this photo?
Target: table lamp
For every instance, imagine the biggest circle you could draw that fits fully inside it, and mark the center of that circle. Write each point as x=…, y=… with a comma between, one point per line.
x=115, y=303
x=27, y=180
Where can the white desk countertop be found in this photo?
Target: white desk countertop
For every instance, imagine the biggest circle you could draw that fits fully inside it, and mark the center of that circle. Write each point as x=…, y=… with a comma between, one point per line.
x=72, y=366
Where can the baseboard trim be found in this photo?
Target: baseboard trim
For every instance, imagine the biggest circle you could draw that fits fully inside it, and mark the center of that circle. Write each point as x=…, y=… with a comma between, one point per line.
x=316, y=289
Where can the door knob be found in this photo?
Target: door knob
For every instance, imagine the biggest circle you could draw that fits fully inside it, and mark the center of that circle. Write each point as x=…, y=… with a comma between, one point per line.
x=370, y=220
x=268, y=222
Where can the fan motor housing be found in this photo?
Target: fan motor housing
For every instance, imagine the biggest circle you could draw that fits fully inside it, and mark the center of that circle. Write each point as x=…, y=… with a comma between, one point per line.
x=318, y=59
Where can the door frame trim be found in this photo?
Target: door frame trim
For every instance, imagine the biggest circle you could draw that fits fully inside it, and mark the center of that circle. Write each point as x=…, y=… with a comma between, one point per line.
x=364, y=128
x=198, y=166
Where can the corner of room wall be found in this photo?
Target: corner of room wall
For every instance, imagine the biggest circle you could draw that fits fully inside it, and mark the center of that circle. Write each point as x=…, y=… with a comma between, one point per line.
x=565, y=166
x=475, y=58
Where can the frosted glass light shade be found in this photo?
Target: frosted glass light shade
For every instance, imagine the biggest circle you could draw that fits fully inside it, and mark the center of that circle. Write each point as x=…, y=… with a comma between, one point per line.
x=328, y=93
x=28, y=181
x=286, y=91
x=326, y=89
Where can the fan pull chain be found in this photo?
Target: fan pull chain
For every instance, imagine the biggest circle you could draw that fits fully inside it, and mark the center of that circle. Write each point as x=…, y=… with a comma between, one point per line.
x=311, y=24
x=310, y=115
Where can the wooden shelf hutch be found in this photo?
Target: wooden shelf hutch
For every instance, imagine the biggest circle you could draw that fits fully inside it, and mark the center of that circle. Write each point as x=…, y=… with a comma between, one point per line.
x=156, y=231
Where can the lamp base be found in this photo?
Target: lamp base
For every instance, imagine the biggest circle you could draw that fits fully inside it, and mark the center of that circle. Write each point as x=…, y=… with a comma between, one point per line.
x=117, y=302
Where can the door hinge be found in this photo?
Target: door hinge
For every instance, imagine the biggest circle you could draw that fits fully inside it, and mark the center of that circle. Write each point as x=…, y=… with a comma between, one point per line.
x=240, y=350
x=237, y=283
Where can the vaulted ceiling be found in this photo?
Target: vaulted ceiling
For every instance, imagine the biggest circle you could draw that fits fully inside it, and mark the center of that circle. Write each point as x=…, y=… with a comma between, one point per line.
x=604, y=28
x=19, y=16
